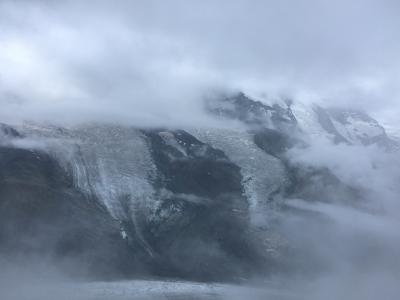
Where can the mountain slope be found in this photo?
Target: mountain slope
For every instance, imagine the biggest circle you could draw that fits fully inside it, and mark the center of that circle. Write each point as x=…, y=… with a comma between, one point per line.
x=347, y=126
x=195, y=203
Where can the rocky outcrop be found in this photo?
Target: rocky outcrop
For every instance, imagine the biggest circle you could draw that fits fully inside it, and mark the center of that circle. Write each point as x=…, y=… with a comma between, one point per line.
x=115, y=201
x=8, y=132
x=43, y=217
x=200, y=228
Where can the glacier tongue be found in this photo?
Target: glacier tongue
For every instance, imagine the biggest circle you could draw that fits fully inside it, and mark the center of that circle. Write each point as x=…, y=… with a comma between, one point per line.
x=114, y=164
x=111, y=162
x=262, y=173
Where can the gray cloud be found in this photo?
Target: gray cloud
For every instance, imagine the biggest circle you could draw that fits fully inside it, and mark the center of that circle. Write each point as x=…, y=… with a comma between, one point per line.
x=357, y=242
x=150, y=62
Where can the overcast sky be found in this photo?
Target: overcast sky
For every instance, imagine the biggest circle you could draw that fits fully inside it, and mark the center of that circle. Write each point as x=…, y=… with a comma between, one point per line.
x=146, y=61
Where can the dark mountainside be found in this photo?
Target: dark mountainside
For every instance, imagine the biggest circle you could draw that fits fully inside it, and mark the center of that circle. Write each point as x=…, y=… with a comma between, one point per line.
x=201, y=227
x=43, y=215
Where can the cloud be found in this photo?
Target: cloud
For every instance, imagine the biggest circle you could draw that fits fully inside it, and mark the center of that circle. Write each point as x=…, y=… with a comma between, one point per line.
x=367, y=168
x=150, y=62
x=352, y=241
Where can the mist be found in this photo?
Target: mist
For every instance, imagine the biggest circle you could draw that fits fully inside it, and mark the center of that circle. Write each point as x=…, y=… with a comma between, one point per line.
x=152, y=63
x=347, y=247
x=155, y=64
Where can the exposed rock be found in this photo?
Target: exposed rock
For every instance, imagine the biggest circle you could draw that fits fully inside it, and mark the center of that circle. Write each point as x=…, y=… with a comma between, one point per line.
x=115, y=201
x=200, y=229
x=42, y=216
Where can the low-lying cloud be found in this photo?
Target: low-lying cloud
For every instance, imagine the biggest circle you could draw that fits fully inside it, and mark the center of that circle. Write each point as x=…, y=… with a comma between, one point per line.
x=354, y=244
x=150, y=63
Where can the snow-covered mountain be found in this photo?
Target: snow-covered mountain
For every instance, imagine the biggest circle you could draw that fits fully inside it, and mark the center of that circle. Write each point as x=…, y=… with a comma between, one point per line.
x=195, y=203
x=342, y=125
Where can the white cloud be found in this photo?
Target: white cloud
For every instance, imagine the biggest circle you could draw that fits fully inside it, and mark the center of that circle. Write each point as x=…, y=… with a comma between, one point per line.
x=150, y=62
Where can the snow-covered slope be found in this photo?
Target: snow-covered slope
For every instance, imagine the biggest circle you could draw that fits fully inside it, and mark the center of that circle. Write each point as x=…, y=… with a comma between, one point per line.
x=107, y=161
x=341, y=125
x=195, y=203
x=263, y=174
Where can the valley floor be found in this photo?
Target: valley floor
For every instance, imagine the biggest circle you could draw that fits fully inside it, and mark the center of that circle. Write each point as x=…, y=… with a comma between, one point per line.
x=144, y=290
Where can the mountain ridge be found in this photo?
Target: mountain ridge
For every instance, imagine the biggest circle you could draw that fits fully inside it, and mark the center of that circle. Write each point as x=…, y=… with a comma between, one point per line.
x=195, y=204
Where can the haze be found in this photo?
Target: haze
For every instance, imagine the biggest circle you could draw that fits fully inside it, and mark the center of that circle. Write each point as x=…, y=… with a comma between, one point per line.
x=151, y=62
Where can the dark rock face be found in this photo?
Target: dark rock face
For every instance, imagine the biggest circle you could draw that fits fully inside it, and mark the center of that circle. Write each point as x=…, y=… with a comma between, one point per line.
x=272, y=141
x=320, y=185
x=189, y=166
x=42, y=216
x=200, y=229
x=273, y=126
x=253, y=113
x=8, y=131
